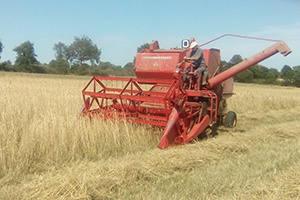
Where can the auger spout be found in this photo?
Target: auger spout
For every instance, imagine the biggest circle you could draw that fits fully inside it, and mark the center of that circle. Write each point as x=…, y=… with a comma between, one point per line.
x=280, y=46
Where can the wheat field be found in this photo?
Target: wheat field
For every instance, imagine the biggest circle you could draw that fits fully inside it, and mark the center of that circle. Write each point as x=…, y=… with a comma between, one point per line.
x=48, y=152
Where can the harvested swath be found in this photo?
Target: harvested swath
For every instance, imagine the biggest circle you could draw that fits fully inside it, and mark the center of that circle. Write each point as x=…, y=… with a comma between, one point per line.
x=210, y=161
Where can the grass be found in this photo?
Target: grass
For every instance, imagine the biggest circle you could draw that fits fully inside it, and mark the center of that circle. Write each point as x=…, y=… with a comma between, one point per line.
x=48, y=152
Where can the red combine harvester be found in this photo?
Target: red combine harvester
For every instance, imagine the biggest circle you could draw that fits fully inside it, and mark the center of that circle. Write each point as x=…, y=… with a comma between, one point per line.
x=158, y=95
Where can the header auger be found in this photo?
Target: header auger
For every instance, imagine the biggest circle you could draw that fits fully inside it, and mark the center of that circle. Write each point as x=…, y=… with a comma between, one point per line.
x=158, y=95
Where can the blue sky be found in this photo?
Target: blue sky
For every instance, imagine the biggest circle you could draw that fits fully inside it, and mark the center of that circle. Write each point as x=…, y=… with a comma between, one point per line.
x=119, y=27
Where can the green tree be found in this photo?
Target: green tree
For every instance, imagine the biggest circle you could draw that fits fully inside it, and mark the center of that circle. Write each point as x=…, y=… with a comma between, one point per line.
x=244, y=77
x=259, y=71
x=270, y=78
x=6, y=66
x=296, y=68
x=142, y=47
x=275, y=72
x=1, y=47
x=235, y=60
x=61, y=51
x=62, y=55
x=105, y=65
x=287, y=75
x=25, y=55
x=296, y=78
x=223, y=65
x=59, y=66
x=83, y=49
x=129, y=69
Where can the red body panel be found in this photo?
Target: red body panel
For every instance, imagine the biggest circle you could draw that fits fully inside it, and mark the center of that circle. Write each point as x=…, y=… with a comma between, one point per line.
x=158, y=64
x=161, y=64
x=212, y=58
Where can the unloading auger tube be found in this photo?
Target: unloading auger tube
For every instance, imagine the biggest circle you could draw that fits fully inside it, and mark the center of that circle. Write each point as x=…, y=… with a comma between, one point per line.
x=280, y=46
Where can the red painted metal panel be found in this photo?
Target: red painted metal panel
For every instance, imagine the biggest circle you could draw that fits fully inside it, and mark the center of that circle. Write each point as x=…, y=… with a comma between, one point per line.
x=170, y=132
x=158, y=64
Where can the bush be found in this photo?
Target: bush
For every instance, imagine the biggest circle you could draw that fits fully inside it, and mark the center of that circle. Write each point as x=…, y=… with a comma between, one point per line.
x=5, y=67
x=244, y=77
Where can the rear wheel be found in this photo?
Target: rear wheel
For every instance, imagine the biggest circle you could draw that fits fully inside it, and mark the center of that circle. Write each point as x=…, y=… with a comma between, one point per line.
x=230, y=119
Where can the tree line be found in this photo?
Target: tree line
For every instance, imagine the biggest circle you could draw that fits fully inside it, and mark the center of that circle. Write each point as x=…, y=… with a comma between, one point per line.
x=259, y=74
x=82, y=57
